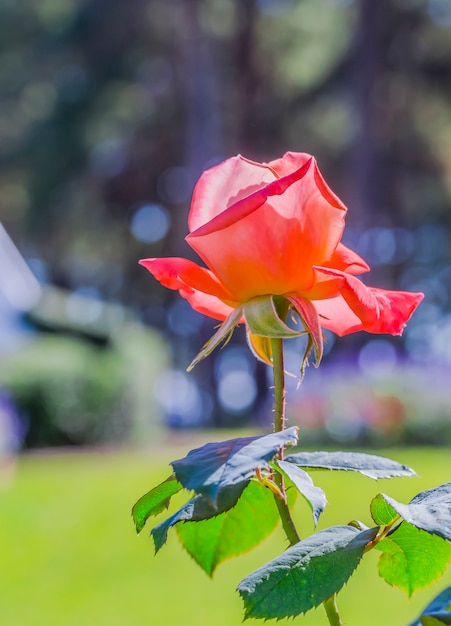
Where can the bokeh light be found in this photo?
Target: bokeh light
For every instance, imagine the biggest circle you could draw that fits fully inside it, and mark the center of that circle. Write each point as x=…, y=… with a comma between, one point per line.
x=377, y=358
x=440, y=12
x=182, y=401
x=150, y=223
x=234, y=371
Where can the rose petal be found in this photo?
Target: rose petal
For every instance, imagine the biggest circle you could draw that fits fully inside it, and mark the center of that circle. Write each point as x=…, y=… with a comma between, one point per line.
x=294, y=160
x=395, y=310
x=345, y=259
x=271, y=248
x=335, y=315
x=196, y=284
x=208, y=305
x=367, y=308
x=290, y=162
x=225, y=184
x=176, y=273
x=250, y=202
x=324, y=285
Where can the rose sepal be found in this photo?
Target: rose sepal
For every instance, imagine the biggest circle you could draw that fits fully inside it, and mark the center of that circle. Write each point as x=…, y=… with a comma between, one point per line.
x=222, y=335
x=263, y=317
x=310, y=319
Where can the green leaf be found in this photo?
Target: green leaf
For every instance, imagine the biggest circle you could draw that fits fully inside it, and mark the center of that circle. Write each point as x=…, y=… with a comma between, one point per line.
x=382, y=512
x=197, y=509
x=439, y=609
x=412, y=558
x=262, y=319
x=154, y=501
x=314, y=496
x=306, y=574
x=435, y=620
x=223, y=334
x=207, y=470
x=429, y=510
x=234, y=532
x=369, y=465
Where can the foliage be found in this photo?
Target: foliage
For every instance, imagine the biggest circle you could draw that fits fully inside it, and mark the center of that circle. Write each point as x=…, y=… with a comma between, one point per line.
x=270, y=237
x=412, y=558
x=70, y=391
x=288, y=585
x=222, y=520
x=73, y=394
x=70, y=538
x=437, y=612
x=233, y=532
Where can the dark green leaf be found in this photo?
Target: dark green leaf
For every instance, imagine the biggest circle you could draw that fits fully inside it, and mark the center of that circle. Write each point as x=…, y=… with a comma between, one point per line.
x=412, y=559
x=435, y=619
x=197, y=509
x=369, y=465
x=430, y=510
x=382, y=513
x=315, y=497
x=234, y=532
x=439, y=607
x=207, y=470
x=306, y=574
x=154, y=501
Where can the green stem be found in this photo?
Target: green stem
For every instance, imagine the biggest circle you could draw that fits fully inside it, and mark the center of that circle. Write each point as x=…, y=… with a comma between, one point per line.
x=279, y=386
x=279, y=425
x=332, y=611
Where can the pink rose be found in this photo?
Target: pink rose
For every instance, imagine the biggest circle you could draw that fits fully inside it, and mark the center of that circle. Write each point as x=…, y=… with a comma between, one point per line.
x=274, y=229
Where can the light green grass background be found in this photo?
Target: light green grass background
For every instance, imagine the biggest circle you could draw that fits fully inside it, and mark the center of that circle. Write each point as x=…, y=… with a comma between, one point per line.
x=70, y=557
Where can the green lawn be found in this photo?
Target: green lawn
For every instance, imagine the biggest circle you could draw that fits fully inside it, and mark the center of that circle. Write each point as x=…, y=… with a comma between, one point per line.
x=70, y=556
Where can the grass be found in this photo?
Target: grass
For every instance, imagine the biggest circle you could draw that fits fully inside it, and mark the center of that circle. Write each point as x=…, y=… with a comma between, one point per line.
x=70, y=556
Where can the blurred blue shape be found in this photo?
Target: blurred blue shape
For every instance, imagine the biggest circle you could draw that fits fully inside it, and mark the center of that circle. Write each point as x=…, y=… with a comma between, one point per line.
x=378, y=246
x=12, y=430
x=181, y=399
x=234, y=372
x=183, y=320
x=440, y=12
x=377, y=358
x=18, y=284
x=19, y=292
x=237, y=391
x=150, y=223
x=273, y=8
x=430, y=241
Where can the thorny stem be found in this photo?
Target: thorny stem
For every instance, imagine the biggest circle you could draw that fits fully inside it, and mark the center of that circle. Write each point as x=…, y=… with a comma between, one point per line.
x=332, y=611
x=279, y=387
x=279, y=425
x=382, y=534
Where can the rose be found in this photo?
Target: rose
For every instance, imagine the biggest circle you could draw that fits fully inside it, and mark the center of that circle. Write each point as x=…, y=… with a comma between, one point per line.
x=274, y=229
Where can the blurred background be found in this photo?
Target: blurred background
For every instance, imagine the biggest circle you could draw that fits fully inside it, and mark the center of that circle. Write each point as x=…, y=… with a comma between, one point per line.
x=109, y=111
